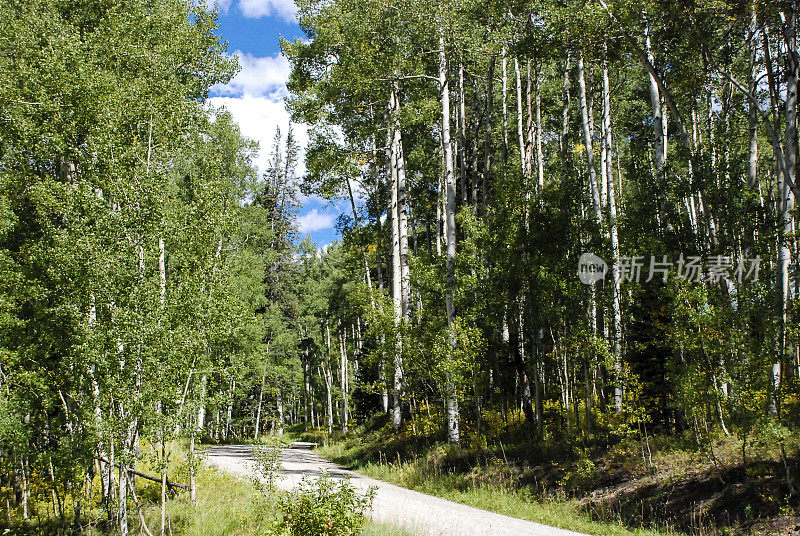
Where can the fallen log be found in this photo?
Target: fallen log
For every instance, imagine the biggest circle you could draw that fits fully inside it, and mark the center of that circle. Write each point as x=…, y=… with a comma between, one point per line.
x=170, y=484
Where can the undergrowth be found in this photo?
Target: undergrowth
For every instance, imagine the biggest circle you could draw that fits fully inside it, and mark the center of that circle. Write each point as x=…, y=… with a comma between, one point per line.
x=668, y=485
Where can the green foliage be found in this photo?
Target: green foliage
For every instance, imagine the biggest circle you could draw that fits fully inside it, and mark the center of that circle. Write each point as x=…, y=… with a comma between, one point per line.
x=267, y=463
x=325, y=507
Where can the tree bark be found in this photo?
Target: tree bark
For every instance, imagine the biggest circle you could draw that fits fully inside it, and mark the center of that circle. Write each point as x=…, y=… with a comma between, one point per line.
x=505, y=107
x=588, y=144
x=787, y=203
x=616, y=303
x=257, y=426
x=397, y=272
x=343, y=379
x=520, y=131
x=539, y=129
x=453, y=434
x=565, y=98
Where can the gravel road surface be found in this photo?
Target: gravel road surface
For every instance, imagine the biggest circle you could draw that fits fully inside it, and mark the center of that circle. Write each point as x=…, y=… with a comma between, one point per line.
x=417, y=512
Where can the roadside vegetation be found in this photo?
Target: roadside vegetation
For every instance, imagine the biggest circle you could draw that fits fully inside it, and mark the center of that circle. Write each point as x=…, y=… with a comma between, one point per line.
x=654, y=487
x=229, y=506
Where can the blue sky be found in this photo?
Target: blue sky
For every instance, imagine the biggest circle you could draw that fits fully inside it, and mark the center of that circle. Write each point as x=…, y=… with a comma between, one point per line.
x=255, y=96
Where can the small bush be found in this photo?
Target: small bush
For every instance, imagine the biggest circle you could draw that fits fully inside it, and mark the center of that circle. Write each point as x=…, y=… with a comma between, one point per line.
x=267, y=463
x=325, y=507
x=581, y=476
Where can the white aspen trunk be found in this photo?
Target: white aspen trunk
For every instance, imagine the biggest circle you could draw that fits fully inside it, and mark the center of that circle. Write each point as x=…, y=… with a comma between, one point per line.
x=327, y=374
x=787, y=202
x=164, y=488
x=201, y=411
x=616, y=303
x=462, y=124
x=520, y=359
x=25, y=491
x=565, y=110
x=229, y=415
x=504, y=56
x=279, y=407
x=105, y=467
x=589, y=147
x=529, y=127
x=397, y=290
x=539, y=151
x=127, y=446
x=521, y=133
x=453, y=434
x=192, y=472
x=257, y=426
x=605, y=172
x=343, y=379
x=439, y=222
x=659, y=123
x=487, y=145
x=402, y=213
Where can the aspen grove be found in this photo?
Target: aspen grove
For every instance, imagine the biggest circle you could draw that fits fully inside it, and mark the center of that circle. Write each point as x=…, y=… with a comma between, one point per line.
x=156, y=294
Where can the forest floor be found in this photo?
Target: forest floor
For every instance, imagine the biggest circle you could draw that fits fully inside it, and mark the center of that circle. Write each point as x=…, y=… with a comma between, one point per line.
x=664, y=486
x=417, y=512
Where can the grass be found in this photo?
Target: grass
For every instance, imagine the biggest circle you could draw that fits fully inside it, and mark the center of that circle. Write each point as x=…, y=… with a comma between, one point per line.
x=225, y=506
x=228, y=506
x=561, y=513
x=678, y=488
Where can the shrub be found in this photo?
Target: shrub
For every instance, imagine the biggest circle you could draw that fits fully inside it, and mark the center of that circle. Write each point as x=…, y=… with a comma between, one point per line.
x=325, y=507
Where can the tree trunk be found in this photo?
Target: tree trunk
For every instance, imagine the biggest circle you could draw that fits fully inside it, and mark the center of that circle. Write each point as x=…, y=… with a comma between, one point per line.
x=530, y=136
x=201, y=411
x=453, y=435
x=520, y=132
x=257, y=426
x=487, y=166
x=343, y=379
x=514, y=334
x=752, y=113
x=279, y=406
x=539, y=151
x=505, y=107
x=565, y=111
x=397, y=262
x=616, y=302
x=659, y=123
x=787, y=205
x=589, y=146
x=462, y=133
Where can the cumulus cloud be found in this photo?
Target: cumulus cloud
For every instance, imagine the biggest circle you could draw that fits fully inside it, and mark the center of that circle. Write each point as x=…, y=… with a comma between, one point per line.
x=259, y=77
x=258, y=118
x=315, y=221
x=255, y=99
x=284, y=9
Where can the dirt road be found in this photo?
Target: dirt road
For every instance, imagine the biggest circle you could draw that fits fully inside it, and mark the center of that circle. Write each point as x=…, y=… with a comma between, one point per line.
x=412, y=510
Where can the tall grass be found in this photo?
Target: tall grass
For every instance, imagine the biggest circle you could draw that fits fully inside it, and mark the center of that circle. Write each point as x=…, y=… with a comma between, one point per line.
x=226, y=506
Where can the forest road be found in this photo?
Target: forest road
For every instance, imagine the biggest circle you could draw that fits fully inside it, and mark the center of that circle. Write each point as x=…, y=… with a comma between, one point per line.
x=416, y=512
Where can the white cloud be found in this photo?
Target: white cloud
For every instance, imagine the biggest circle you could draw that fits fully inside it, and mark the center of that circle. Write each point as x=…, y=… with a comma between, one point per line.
x=321, y=251
x=255, y=99
x=315, y=221
x=259, y=77
x=284, y=9
x=258, y=117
